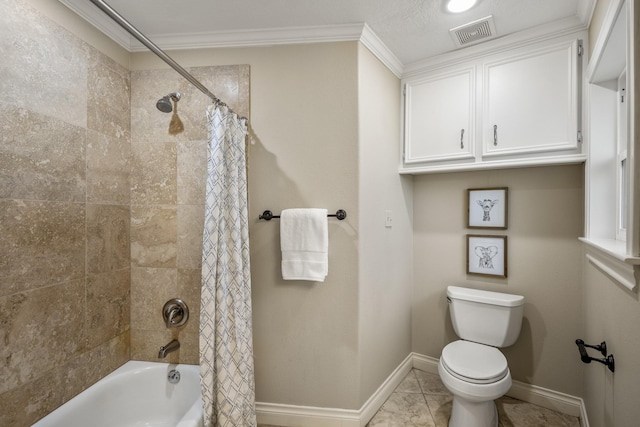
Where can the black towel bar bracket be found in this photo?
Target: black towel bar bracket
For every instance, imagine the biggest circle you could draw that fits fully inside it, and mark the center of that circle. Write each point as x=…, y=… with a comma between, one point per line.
x=608, y=361
x=268, y=215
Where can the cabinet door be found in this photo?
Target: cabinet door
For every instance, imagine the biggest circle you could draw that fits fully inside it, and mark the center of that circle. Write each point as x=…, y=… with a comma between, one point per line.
x=439, y=117
x=531, y=102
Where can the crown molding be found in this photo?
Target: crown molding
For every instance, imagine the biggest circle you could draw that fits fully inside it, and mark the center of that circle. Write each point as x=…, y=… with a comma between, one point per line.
x=247, y=38
x=372, y=42
x=102, y=22
x=240, y=38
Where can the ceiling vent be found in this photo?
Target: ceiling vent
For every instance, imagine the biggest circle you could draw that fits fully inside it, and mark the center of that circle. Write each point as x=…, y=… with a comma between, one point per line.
x=474, y=32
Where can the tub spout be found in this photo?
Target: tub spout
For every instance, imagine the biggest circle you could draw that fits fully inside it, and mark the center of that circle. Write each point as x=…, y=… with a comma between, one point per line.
x=169, y=348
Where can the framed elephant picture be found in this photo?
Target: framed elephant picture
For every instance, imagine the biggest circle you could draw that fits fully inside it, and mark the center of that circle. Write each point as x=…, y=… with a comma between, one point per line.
x=487, y=255
x=487, y=208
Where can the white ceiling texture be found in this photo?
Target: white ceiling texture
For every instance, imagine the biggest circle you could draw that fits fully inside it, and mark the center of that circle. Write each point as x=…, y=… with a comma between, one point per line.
x=406, y=31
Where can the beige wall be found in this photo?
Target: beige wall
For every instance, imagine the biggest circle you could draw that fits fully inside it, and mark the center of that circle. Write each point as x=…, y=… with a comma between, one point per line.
x=303, y=153
x=385, y=254
x=64, y=220
x=544, y=264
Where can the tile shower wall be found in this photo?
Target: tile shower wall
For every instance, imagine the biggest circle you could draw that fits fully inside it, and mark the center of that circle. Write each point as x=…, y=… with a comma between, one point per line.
x=168, y=175
x=64, y=214
x=97, y=230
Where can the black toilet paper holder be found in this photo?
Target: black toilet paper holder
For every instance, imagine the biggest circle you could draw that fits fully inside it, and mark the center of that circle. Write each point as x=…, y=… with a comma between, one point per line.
x=602, y=348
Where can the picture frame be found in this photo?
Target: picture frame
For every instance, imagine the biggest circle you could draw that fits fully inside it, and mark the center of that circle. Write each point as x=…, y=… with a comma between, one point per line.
x=487, y=208
x=487, y=255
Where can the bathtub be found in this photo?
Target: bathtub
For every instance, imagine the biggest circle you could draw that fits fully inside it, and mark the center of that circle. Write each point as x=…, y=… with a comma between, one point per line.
x=135, y=394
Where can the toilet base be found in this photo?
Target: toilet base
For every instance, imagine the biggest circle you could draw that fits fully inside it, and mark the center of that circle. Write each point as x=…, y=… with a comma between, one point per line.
x=473, y=414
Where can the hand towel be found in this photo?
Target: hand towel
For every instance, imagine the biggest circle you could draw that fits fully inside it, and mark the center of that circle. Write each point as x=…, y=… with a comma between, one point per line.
x=304, y=241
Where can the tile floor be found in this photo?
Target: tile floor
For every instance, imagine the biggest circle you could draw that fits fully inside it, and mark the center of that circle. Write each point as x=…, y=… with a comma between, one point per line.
x=421, y=400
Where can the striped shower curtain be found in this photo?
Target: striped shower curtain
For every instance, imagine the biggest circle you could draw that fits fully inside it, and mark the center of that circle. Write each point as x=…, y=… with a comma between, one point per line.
x=226, y=347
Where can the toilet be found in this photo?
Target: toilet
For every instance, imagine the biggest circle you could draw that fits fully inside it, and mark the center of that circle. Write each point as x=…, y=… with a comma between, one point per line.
x=472, y=368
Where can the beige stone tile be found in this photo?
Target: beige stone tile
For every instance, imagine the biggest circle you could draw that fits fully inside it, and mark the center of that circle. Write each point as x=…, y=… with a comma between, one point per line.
x=108, y=245
x=154, y=178
x=151, y=288
x=27, y=403
x=403, y=410
x=189, y=285
x=515, y=413
x=189, y=347
x=154, y=236
x=230, y=83
x=108, y=98
x=40, y=330
x=409, y=384
x=108, y=169
x=48, y=63
x=43, y=244
x=148, y=124
x=146, y=344
x=440, y=408
x=89, y=367
x=190, y=229
x=108, y=306
x=430, y=383
x=192, y=172
x=42, y=158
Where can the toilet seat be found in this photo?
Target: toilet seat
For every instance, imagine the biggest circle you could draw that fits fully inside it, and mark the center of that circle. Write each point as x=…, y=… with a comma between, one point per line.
x=474, y=363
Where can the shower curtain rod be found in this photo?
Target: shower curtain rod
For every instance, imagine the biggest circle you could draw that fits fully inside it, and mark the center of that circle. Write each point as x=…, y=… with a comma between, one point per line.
x=113, y=14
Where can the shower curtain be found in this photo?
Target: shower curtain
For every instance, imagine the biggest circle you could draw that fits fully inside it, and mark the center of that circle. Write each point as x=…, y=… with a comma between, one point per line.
x=226, y=347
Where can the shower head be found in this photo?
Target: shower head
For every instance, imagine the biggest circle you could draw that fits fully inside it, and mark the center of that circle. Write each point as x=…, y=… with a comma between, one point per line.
x=164, y=103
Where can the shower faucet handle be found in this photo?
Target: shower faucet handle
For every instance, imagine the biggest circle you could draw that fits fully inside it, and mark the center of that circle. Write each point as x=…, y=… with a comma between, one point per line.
x=175, y=313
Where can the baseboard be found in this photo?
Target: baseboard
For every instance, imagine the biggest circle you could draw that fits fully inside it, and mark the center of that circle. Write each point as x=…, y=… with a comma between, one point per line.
x=546, y=398
x=383, y=392
x=306, y=416
x=425, y=363
x=540, y=396
x=584, y=420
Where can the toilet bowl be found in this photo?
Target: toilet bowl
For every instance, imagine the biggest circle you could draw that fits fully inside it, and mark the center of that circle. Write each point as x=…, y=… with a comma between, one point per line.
x=476, y=375
x=473, y=369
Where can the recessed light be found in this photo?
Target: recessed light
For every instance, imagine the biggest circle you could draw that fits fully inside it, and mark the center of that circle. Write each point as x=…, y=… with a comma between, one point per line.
x=457, y=6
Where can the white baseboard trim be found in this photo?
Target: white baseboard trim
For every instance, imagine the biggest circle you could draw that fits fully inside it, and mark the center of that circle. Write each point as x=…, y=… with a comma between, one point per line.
x=305, y=416
x=425, y=363
x=309, y=416
x=584, y=420
x=546, y=398
x=375, y=402
x=540, y=396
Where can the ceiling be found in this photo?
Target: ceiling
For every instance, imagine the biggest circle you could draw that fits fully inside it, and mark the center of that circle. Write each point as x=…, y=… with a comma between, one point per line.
x=409, y=30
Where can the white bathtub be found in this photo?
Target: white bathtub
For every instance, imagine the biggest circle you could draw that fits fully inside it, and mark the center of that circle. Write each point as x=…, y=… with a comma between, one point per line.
x=136, y=394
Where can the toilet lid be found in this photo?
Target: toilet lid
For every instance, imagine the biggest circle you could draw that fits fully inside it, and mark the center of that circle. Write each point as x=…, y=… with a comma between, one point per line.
x=473, y=362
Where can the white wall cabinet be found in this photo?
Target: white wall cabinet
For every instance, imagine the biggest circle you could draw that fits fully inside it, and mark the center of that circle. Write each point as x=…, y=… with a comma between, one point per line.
x=531, y=101
x=525, y=100
x=440, y=117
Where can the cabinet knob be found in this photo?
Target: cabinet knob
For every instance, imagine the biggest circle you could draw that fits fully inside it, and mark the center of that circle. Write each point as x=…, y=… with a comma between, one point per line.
x=495, y=134
x=461, y=138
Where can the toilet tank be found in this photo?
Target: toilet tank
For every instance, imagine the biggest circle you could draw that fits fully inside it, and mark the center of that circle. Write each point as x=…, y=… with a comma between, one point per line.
x=485, y=317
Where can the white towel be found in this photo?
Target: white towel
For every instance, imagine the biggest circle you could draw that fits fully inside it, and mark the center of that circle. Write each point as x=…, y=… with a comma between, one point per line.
x=304, y=241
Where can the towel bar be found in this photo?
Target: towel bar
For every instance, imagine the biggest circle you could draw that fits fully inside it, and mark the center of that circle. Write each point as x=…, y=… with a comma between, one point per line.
x=268, y=215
